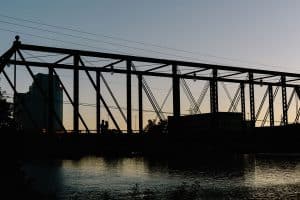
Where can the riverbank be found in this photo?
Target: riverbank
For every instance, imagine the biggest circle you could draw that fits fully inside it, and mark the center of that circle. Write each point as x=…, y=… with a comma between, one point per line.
x=279, y=140
x=92, y=144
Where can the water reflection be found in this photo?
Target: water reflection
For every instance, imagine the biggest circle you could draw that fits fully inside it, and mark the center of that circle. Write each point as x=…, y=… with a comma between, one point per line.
x=276, y=172
x=247, y=175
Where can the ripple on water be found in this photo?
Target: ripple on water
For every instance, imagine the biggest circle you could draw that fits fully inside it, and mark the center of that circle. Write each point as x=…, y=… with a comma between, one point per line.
x=245, y=177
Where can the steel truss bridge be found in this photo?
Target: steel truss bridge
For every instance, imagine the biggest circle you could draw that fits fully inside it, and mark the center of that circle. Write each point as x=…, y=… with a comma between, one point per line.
x=177, y=71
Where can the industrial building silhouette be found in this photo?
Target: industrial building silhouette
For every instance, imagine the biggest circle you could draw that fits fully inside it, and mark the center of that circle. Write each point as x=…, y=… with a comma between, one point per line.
x=37, y=107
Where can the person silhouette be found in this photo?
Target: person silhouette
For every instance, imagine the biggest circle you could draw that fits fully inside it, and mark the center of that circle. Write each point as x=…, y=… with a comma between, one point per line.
x=106, y=126
x=102, y=126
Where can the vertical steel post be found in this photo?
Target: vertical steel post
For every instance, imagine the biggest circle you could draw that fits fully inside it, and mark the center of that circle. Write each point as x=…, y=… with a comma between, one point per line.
x=214, y=104
x=15, y=85
x=297, y=89
x=50, y=101
x=284, y=101
x=252, y=101
x=271, y=105
x=15, y=70
x=176, y=92
x=98, y=101
x=128, y=88
x=243, y=104
x=76, y=94
x=140, y=94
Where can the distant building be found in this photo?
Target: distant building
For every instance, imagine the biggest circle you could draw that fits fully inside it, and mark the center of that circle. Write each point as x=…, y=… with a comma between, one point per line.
x=37, y=107
x=205, y=123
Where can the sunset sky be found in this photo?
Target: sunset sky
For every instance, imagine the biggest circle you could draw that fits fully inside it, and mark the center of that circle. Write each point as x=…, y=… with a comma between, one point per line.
x=262, y=34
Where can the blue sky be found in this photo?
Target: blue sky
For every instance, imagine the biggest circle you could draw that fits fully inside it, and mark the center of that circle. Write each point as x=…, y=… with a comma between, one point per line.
x=257, y=31
x=251, y=33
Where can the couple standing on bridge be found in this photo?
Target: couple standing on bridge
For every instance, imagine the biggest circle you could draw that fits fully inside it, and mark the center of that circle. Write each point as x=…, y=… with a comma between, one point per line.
x=104, y=127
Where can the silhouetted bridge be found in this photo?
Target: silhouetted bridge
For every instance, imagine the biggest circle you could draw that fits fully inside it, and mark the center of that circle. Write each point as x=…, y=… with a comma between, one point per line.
x=178, y=71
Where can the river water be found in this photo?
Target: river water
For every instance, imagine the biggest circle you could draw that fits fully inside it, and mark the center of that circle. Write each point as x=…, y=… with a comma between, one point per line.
x=209, y=177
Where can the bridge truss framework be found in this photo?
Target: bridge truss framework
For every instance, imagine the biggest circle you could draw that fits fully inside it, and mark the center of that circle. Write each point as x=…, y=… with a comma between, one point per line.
x=192, y=70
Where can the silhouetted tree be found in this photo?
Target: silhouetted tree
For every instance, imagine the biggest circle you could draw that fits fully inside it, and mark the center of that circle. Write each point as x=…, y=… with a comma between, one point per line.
x=6, y=120
x=15, y=185
x=157, y=129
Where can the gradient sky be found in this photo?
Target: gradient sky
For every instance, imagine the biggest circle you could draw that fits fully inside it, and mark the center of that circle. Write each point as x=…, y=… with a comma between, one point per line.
x=251, y=33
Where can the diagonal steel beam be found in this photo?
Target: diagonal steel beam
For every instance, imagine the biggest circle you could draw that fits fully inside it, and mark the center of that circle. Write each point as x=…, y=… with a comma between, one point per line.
x=297, y=116
x=226, y=91
x=70, y=99
x=6, y=57
x=237, y=102
x=268, y=111
x=188, y=92
x=111, y=64
x=196, y=71
x=291, y=80
x=62, y=59
x=155, y=68
x=101, y=98
x=164, y=101
x=289, y=103
x=201, y=98
x=109, y=89
x=264, y=77
x=233, y=74
x=113, y=97
x=110, y=92
x=235, y=97
x=150, y=95
x=261, y=104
